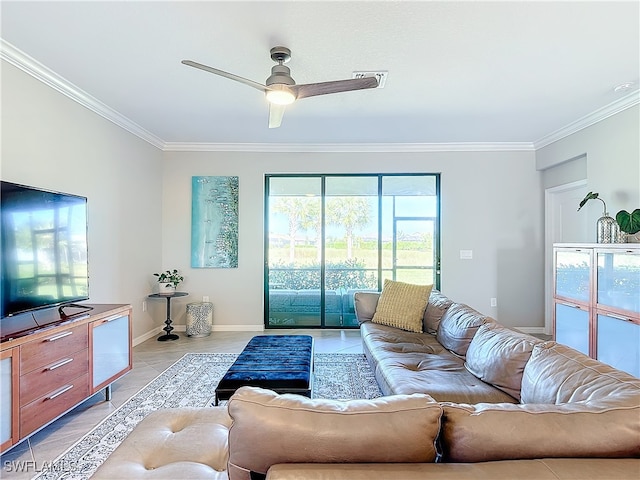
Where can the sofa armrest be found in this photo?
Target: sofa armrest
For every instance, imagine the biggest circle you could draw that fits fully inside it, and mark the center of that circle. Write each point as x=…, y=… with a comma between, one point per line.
x=365, y=304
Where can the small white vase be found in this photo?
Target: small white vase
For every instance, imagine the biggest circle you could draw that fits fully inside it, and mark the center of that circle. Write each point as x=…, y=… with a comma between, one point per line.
x=166, y=288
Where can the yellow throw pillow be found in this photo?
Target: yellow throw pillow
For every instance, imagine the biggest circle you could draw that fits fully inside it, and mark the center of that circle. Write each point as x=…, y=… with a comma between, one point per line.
x=402, y=305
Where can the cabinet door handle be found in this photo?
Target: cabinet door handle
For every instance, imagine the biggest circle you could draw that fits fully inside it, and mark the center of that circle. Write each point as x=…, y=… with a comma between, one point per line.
x=59, y=364
x=572, y=305
x=97, y=323
x=618, y=317
x=59, y=336
x=60, y=392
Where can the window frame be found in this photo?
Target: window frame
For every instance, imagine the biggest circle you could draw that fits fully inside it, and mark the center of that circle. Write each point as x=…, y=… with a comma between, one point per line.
x=323, y=177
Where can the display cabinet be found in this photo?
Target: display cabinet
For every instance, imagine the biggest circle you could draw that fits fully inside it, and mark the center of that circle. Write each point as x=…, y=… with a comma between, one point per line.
x=47, y=371
x=597, y=301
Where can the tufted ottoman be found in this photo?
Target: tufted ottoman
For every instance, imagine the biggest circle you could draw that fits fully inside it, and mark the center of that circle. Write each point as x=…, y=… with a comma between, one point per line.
x=173, y=444
x=282, y=363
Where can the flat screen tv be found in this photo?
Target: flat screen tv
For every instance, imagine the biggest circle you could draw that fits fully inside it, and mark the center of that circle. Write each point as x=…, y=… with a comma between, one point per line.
x=44, y=256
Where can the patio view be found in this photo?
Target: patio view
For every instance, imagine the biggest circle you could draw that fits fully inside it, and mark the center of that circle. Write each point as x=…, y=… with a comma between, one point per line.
x=332, y=235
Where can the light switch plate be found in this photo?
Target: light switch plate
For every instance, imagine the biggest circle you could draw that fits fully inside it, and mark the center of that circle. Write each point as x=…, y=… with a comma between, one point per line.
x=466, y=254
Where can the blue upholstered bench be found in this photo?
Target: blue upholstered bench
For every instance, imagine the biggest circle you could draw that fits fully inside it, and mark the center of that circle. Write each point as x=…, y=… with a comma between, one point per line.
x=282, y=363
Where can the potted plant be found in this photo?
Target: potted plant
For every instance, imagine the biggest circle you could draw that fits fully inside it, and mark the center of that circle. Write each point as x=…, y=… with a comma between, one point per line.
x=629, y=223
x=608, y=230
x=168, y=281
x=592, y=196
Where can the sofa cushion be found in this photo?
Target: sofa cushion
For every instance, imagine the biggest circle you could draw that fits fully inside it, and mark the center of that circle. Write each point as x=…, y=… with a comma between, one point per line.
x=443, y=377
x=269, y=428
x=486, y=432
x=498, y=355
x=558, y=374
x=364, y=304
x=437, y=305
x=402, y=305
x=380, y=342
x=184, y=442
x=458, y=326
x=539, y=469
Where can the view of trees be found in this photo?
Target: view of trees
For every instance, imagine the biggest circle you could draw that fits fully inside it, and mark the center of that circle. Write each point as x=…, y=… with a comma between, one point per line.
x=350, y=213
x=303, y=213
x=346, y=217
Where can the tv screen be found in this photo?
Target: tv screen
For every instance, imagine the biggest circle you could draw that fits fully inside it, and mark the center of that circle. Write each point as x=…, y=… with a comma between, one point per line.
x=44, y=249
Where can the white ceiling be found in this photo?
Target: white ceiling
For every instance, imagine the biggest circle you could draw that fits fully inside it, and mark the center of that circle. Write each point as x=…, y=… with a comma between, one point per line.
x=508, y=71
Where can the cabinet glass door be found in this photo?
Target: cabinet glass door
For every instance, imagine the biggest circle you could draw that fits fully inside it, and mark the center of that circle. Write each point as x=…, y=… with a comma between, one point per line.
x=573, y=272
x=5, y=399
x=110, y=349
x=619, y=280
x=619, y=344
x=572, y=327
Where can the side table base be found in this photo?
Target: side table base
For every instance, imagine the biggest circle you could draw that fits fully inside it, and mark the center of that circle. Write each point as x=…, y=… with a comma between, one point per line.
x=170, y=336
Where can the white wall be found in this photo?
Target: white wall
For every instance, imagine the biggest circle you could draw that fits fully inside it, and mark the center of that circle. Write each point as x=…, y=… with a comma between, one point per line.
x=491, y=203
x=611, y=148
x=52, y=142
x=140, y=204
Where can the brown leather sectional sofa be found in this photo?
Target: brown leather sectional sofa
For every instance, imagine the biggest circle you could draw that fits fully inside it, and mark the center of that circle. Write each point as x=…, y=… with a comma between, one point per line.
x=467, y=399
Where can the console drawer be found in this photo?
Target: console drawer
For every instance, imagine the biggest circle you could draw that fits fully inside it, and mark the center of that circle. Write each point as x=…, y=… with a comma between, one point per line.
x=53, y=376
x=47, y=350
x=44, y=409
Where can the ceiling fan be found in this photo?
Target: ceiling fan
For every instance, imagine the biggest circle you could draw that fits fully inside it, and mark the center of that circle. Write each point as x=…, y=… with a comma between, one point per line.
x=281, y=90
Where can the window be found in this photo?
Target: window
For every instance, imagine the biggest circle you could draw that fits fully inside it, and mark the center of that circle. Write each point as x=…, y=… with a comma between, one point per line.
x=328, y=236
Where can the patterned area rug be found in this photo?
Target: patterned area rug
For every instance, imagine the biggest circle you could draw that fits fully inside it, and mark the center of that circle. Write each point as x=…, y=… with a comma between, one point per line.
x=191, y=382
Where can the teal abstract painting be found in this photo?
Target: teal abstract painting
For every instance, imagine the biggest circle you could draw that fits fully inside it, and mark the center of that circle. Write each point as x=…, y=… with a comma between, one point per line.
x=214, y=222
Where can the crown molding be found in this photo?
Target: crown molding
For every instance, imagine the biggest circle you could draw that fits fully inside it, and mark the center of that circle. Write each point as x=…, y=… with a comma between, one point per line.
x=29, y=65
x=617, y=106
x=347, y=147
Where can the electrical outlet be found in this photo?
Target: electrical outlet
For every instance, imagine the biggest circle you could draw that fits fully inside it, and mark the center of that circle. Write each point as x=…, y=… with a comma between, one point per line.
x=144, y=306
x=494, y=302
x=466, y=254
x=205, y=298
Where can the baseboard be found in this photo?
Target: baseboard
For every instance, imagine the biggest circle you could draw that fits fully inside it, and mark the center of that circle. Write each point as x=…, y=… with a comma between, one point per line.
x=183, y=328
x=238, y=328
x=146, y=336
x=531, y=330
x=225, y=328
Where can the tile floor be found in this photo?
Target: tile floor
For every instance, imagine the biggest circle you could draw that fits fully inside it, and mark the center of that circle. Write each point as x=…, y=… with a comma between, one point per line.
x=150, y=358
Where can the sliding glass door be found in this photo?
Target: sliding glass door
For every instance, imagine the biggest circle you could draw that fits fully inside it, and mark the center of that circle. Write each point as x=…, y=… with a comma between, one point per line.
x=328, y=236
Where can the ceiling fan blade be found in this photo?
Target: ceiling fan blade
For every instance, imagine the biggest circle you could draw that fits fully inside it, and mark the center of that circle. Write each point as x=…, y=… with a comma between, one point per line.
x=222, y=73
x=275, y=115
x=325, y=88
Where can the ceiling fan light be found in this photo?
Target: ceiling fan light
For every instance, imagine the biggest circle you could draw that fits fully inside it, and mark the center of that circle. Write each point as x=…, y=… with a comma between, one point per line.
x=280, y=96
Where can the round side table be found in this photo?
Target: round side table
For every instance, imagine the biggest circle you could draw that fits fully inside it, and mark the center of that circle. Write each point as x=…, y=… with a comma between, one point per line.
x=168, y=327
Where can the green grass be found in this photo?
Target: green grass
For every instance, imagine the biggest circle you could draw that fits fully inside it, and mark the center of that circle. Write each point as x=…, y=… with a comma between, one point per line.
x=305, y=255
